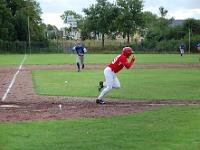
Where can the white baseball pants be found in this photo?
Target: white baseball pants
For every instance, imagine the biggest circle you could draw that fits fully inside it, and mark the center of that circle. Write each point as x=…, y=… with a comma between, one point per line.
x=111, y=81
x=80, y=59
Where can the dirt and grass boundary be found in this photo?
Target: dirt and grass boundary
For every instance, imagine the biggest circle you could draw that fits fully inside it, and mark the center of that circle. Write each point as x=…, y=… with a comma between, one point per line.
x=23, y=104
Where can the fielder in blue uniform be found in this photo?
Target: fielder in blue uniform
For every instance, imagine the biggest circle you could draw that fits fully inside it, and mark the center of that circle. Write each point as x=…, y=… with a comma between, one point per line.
x=182, y=49
x=80, y=52
x=198, y=48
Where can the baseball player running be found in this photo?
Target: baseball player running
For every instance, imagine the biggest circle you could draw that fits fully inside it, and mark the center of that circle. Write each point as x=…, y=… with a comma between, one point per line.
x=111, y=80
x=80, y=51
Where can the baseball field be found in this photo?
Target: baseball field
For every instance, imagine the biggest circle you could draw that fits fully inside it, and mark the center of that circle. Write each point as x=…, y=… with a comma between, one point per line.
x=46, y=104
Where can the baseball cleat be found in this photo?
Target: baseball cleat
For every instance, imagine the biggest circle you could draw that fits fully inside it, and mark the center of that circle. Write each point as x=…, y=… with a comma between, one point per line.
x=100, y=87
x=100, y=101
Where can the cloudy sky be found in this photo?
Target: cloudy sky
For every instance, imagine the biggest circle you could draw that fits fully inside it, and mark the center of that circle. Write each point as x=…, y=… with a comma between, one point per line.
x=179, y=9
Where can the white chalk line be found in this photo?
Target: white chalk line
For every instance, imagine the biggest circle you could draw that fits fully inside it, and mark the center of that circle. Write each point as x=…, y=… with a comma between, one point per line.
x=14, y=78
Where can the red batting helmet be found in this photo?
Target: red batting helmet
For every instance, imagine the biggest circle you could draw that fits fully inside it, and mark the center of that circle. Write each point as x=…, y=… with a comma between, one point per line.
x=127, y=51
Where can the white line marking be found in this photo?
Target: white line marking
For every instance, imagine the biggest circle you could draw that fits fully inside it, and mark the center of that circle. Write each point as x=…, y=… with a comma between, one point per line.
x=9, y=106
x=14, y=78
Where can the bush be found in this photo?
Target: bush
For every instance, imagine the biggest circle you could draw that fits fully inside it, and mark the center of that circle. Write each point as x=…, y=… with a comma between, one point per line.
x=193, y=40
x=169, y=46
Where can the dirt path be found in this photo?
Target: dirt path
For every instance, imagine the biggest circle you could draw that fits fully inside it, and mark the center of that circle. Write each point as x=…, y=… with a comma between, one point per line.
x=23, y=104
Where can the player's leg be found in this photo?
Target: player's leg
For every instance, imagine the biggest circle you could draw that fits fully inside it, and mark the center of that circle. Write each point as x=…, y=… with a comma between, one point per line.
x=78, y=62
x=82, y=62
x=109, y=78
x=182, y=52
x=101, y=85
x=116, y=83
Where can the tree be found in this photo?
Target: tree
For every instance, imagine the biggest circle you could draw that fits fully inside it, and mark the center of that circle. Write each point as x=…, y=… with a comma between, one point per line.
x=15, y=14
x=130, y=17
x=34, y=13
x=52, y=31
x=159, y=30
x=70, y=13
x=193, y=25
x=6, y=19
x=85, y=32
x=163, y=11
x=149, y=20
x=91, y=20
x=100, y=17
x=77, y=18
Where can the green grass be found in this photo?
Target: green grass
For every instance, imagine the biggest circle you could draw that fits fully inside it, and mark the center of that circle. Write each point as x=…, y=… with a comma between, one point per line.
x=96, y=58
x=149, y=84
x=167, y=58
x=171, y=128
x=11, y=59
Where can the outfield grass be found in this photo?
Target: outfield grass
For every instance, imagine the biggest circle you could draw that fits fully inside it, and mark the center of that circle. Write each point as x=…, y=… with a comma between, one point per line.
x=97, y=58
x=149, y=84
x=170, y=128
x=11, y=59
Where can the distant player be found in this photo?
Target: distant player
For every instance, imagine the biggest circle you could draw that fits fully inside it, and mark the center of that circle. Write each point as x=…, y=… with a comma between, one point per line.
x=182, y=49
x=111, y=80
x=198, y=48
x=80, y=52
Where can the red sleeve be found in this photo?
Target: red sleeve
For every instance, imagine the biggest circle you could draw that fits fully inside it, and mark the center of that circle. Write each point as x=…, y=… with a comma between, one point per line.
x=128, y=64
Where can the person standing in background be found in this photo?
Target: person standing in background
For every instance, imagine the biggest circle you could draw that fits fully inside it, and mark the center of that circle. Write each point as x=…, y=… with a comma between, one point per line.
x=80, y=52
x=182, y=49
x=198, y=48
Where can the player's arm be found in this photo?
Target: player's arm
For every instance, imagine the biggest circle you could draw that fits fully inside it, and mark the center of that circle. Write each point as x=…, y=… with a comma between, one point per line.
x=76, y=50
x=84, y=50
x=129, y=64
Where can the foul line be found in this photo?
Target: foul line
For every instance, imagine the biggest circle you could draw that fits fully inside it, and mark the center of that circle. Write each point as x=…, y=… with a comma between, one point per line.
x=14, y=78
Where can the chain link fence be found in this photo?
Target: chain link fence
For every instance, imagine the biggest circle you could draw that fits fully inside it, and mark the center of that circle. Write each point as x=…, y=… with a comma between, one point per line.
x=57, y=46
x=66, y=46
x=18, y=47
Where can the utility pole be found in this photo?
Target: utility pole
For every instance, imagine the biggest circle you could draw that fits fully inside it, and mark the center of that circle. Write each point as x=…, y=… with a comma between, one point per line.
x=29, y=37
x=189, y=41
x=28, y=26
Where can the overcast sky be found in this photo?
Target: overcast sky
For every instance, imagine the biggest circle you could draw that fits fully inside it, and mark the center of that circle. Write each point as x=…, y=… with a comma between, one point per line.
x=179, y=9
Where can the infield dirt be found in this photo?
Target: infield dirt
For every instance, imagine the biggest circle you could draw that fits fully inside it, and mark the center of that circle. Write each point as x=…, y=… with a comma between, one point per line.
x=23, y=104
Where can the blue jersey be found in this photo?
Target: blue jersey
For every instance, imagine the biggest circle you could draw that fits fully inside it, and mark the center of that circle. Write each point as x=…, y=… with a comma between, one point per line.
x=80, y=50
x=182, y=46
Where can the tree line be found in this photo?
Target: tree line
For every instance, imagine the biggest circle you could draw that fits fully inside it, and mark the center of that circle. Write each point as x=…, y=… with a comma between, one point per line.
x=21, y=20
x=14, y=18
x=127, y=18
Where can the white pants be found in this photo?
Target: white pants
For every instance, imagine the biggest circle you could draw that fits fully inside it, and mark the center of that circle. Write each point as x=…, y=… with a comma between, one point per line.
x=111, y=81
x=80, y=59
x=182, y=51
